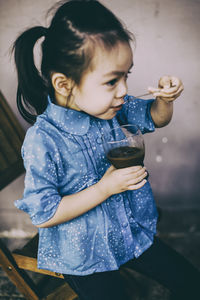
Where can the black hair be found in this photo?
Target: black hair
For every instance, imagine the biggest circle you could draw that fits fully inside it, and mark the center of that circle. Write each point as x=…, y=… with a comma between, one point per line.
x=68, y=48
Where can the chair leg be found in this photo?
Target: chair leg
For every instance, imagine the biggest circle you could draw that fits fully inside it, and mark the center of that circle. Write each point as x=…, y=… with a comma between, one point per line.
x=21, y=279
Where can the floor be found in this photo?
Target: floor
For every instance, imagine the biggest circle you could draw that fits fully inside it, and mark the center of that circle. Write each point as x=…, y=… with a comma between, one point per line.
x=179, y=228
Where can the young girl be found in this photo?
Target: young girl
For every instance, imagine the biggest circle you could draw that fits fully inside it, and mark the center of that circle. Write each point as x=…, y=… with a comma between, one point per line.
x=92, y=218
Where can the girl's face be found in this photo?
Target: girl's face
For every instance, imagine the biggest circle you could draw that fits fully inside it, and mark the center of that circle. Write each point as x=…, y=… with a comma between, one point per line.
x=103, y=88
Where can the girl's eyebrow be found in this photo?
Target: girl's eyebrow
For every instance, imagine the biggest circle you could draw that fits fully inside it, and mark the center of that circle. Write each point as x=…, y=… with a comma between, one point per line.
x=118, y=73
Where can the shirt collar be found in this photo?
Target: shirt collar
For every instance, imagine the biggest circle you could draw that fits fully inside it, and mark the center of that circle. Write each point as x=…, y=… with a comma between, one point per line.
x=66, y=119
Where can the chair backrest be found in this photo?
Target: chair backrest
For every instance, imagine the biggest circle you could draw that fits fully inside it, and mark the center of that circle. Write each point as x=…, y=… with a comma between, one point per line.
x=16, y=263
x=11, y=138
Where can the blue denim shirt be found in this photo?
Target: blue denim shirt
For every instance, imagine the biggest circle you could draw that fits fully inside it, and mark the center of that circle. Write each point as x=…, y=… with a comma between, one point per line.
x=63, y=155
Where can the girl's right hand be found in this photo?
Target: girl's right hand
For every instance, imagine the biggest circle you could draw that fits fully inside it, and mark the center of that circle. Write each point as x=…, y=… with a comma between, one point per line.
x=116, y=181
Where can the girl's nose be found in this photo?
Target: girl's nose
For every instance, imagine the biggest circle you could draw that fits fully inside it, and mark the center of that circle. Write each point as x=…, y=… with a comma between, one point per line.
x=122, y=89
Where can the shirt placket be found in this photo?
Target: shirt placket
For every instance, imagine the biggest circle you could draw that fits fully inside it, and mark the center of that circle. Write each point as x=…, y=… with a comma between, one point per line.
x=118, y=199
x=123, y=221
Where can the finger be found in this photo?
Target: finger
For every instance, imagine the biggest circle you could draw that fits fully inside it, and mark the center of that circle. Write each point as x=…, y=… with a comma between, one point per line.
x=165, y=82
x=165, y=92
x=140, y=172
x=153, y=90
x=176, y=81
x=111, y=169
x=170, y=93
x=130, y=170
x=170, y=90
x=136, y=179
x=169, y=99
x=137, y=186
x=135, y=173
x=174, y=89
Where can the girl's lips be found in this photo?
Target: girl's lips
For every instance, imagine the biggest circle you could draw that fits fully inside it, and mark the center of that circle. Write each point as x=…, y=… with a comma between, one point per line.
x=117, y=107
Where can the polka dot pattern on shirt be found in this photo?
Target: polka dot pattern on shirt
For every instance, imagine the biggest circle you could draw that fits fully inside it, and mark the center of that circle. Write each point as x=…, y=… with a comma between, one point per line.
x=63, y=154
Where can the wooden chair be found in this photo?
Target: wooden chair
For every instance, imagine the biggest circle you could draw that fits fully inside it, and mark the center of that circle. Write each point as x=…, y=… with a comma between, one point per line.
x=15, y=263
x=18, y=262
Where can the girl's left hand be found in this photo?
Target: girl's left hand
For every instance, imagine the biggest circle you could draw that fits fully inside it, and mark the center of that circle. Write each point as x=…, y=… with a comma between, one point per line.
x=169, y=88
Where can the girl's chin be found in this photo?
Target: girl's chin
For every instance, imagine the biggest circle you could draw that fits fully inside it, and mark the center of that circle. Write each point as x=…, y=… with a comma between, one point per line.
x=107, y=116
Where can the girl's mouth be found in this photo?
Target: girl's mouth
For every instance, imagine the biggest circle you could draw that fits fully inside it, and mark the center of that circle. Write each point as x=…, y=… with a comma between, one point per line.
x=116, y=108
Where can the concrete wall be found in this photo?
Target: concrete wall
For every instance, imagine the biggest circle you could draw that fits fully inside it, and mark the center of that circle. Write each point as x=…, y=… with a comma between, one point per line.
x=168, y=42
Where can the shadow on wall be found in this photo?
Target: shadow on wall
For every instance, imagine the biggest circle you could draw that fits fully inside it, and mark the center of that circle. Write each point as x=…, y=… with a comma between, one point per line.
x=174, y=170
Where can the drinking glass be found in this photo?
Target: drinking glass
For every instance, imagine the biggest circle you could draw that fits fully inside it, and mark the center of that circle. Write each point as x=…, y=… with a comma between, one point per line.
x=124, y=146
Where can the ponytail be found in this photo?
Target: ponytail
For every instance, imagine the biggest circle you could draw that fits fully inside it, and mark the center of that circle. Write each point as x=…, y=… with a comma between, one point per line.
x=32, y=90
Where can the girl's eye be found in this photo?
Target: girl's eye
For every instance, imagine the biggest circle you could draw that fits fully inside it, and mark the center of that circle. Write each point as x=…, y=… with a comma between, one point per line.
x=112, y=82
x=129, y=72
x=115, y=80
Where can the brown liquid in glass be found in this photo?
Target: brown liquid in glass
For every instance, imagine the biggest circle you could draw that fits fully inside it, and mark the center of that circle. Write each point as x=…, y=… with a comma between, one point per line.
x=123, y=157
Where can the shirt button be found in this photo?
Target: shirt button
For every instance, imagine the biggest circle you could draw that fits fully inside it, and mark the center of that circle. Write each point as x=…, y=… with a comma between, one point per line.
x=99, y=141
x=124, y=224
x=131, y=220
x=119, y=198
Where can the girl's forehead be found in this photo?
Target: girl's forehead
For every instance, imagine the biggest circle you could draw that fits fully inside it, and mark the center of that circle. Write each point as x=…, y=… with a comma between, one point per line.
x=118, y=58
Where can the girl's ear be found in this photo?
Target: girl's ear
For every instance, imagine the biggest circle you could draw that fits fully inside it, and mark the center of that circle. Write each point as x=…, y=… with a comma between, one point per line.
x=63, y=86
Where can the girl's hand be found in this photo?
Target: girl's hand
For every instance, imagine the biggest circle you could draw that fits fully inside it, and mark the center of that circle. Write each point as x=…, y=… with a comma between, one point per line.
x=116, y=181
x=169, y=88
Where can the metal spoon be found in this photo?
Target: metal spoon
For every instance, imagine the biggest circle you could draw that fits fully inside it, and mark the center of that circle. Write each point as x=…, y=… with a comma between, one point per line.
x=147, y=94
x=143, y=95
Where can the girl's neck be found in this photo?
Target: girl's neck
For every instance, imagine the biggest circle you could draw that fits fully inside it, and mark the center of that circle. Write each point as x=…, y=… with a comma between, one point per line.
x=63, y=101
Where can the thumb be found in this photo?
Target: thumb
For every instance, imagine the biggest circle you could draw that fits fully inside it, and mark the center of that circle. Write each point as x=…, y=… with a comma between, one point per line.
x=165, y=82
x=110, y=169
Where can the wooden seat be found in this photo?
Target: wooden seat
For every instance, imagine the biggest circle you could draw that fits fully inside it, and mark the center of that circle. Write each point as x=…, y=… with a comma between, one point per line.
x=16, y=263
x=51, y=285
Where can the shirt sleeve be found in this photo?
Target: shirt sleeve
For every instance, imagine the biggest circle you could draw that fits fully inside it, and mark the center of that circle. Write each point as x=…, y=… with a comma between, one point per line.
x=41, y=196
x=137, y=111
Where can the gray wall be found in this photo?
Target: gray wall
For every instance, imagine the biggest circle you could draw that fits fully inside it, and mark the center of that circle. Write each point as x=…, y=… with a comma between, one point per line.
x=168, y=42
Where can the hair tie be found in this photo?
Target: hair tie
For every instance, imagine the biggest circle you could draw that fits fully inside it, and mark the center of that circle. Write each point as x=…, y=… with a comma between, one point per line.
x=45, y=31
